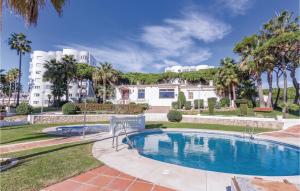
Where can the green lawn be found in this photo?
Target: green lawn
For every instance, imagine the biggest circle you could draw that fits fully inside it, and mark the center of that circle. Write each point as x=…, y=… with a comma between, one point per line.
x=41, y=167
x=251, y=113
x=203, y=126
x=23, y=133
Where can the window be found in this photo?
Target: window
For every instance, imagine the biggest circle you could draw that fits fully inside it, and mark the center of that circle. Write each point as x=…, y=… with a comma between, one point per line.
x=190, y=95
x=38, y=64
x=166, y=93
x=70, y=95
x=141, y=94
x=36, y=95
x=38, y=72
x=37, y=79
x=36, y=87
x=35, y=102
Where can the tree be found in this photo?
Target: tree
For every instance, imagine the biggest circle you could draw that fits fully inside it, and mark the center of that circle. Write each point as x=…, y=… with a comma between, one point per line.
x=83, y=72
x=227, y=78
x=29, y=10
x=12, y=76
x=104, y=75
x=55, y=74
x=19, y=43
x=251, y=62
x=69, y=71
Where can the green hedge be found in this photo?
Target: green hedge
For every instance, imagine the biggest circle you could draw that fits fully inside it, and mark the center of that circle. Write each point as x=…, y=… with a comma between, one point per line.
x=24, y=109
x=244, y=109
x=198, y=103
x=175, y=105
x=225, y=102
x=69, y=108
x=111, y=108
x=188, y=105
x=211, y=105
x=174, y=116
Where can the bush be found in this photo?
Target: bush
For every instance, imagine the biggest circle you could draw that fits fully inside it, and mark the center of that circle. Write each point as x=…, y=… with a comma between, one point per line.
x=175, y=105
x=109, y=102
x=198, y=103
x=188, y=105
x=24, y=109
x=250, y=104
x=2, y=108
x=244, y=108
x=145, y=106
x=174, y=116
x=181, y=100
x=131, y=103
x=69, y=108
x=211, y=105
x=218, y=105
x=225, y=102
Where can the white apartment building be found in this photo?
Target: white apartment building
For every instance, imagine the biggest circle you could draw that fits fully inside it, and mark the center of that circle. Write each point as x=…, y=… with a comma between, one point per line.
x=179, y=69
x=40, y=90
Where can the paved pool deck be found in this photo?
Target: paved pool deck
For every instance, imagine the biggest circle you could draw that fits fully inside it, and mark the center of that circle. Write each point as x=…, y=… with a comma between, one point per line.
x=105, y=178
x=173, y=176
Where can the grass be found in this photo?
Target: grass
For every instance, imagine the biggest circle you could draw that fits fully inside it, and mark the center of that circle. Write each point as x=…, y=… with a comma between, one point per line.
x=251, y=113
x=42, y=167
x=203, y=126
x=24, y=133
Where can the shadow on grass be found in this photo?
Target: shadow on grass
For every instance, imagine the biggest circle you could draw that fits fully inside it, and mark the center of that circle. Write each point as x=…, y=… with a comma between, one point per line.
x=29, y=157
x=33, y=137
x=14, y=127
x=155, y=125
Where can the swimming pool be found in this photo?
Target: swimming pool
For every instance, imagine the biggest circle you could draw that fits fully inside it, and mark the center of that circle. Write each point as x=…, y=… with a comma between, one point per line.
x=219, y=152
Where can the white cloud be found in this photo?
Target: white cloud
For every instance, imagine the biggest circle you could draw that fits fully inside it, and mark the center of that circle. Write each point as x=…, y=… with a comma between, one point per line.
x=238, y=6
x=176, y=41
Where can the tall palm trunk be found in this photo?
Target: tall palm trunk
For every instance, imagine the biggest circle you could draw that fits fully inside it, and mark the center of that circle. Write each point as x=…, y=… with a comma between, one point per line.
x=15, y=91
x=229, y=96
x=296, y=85
x=80, y=91
x=104, y=90
x=234, y=96
x=19, y=80
x=260, y=91
x=9, y=94
x=270, y=93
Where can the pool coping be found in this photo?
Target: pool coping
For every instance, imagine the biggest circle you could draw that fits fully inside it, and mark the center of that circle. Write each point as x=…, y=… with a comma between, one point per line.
x=171, y=175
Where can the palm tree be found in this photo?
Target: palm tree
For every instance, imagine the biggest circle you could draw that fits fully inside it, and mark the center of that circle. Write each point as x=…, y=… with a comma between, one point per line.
x=69, y=71
x=229, y=76
x=252, y=63
x=12, y=76
x=29, y=10
x=83, y=72
x=105, y=75
x=22, y=45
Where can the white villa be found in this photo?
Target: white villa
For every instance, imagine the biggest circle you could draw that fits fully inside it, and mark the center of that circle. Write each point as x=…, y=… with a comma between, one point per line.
x=179, y=69
x=162, y=94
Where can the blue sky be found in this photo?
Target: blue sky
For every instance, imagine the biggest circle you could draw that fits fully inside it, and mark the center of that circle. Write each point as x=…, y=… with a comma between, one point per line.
x=144, y=36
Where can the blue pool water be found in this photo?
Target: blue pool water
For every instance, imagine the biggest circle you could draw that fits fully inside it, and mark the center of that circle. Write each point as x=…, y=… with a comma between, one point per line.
x=221, y=153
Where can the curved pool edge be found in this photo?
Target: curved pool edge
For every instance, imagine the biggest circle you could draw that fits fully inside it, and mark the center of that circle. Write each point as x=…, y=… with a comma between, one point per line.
x=171, y=175
x=50, y=130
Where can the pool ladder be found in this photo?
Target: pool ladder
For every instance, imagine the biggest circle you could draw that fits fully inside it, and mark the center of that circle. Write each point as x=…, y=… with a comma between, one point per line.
x=116, y=143
x=250, y=130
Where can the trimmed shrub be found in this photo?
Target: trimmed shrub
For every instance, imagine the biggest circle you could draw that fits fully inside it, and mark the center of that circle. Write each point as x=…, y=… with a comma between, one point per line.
x=175, y=105
x=174, y=116
x=109, y=102
x=211, y=105
x=132, y=103
x=244, y=108
x=145, y=106
x=69, y=108
x=181, y=100
x=188, y=105
x=198, y=103
x=225, y=102
x=24, y=109
x=250, y=104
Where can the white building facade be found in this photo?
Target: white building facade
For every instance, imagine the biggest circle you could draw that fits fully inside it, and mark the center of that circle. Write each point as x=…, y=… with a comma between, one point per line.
x=178, y=69
x=39, y=90
x=162, y=94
